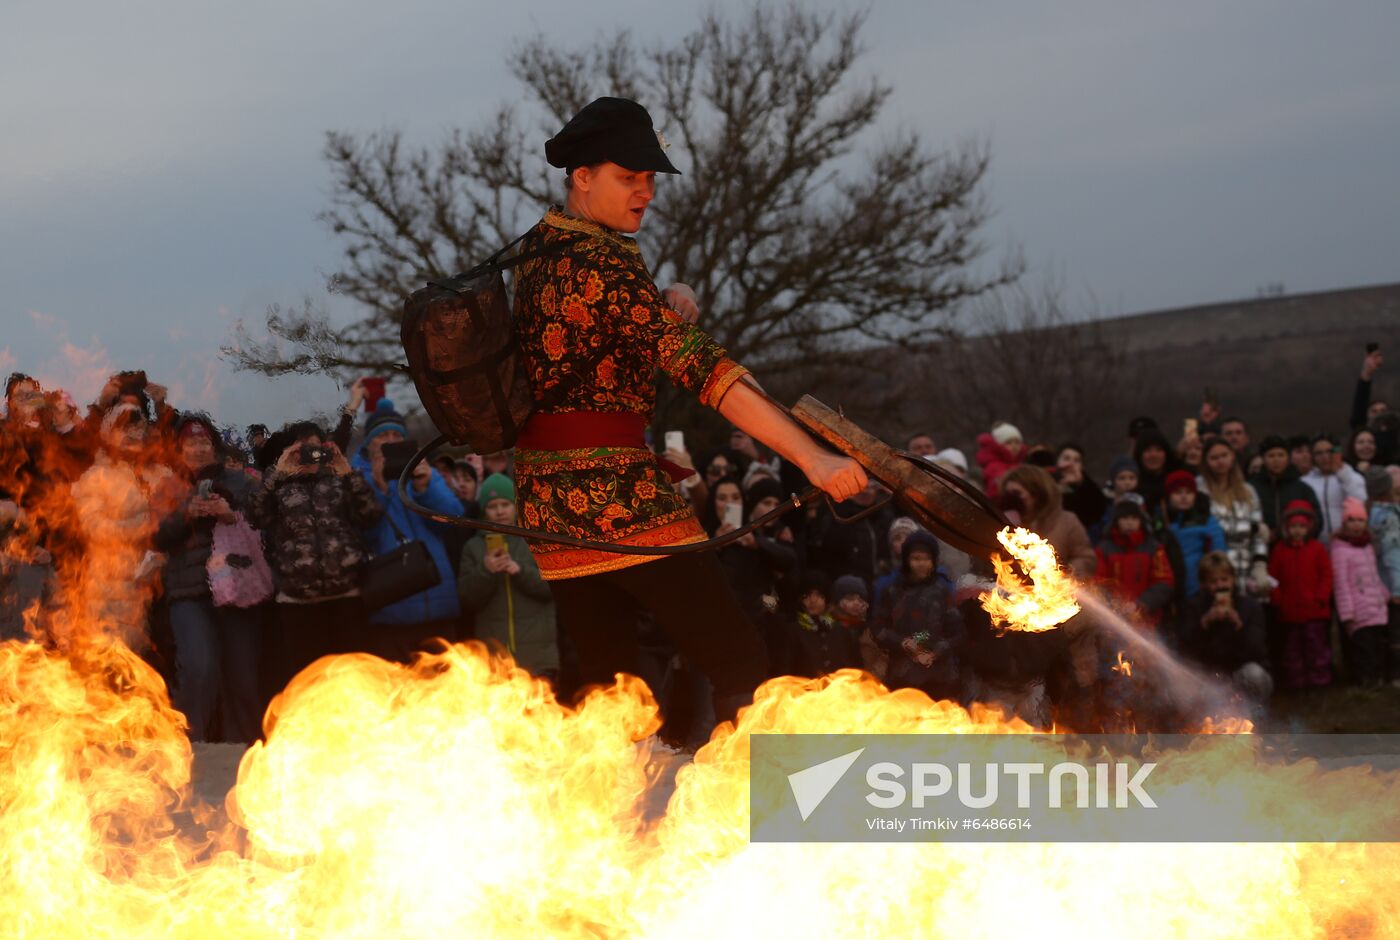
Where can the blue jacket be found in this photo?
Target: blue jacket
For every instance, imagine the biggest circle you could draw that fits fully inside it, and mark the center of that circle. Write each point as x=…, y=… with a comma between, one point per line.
x=1197, y=532
x=439, y=602
x=1385, y=531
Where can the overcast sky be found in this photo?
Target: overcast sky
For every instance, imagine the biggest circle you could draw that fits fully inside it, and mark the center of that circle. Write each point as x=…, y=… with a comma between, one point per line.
x=160, y=165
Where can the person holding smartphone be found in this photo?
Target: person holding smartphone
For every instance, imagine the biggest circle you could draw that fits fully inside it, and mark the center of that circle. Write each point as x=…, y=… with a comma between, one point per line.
x=404, y=627
x=217, y=649
x=501, y=583
x=1222, y=630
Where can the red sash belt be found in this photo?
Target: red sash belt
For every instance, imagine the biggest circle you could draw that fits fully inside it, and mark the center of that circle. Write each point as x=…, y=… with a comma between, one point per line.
x=574, y=430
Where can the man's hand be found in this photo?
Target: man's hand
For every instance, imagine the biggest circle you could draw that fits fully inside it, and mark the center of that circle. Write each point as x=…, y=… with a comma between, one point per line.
x=219, y=508
x=680, y=298
x=422, y=476
x=357, y=396
x=1371, y=365
x=289, y=464
x=338, y=464
x=839, y=477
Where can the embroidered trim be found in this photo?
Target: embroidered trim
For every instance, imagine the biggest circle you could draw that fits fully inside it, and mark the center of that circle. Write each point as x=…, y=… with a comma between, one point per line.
x=581, y=562
x=725, y=374
x=560, y=219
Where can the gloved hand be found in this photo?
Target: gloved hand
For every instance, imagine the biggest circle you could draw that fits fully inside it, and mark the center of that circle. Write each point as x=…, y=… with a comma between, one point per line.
x=1259, y=581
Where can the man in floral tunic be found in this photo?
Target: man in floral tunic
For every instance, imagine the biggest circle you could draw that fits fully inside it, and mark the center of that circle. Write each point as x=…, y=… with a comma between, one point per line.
x=594, y=328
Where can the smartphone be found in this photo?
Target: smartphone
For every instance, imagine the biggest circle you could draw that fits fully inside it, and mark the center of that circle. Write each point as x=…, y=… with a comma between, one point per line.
x=206, y=489
x=495, y=542
x=396, y=457
x=1191, y=427
x=1223, y=599
x=734, y=515
x=675, y=440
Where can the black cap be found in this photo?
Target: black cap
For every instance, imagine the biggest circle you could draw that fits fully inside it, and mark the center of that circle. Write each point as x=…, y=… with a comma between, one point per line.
x=1138, y=425
x=612, y=130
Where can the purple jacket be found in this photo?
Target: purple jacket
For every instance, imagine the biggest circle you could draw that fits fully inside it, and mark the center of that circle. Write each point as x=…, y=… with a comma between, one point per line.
x=1361, y=596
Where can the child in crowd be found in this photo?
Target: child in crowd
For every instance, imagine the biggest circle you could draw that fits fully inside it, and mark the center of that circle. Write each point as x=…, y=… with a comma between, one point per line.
x=1193, y=527
x=1362, y=598
x=1303, y=599
x=851, y=612
x=1223, y=630
x=1133, y=564
x=501, y=582
x=1385, y=534
x=825, y=645
x=917, y=625
x=1122, y=480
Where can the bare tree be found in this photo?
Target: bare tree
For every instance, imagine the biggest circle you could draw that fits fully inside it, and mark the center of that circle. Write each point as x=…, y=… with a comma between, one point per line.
x=797, y=244
x=1030, y=359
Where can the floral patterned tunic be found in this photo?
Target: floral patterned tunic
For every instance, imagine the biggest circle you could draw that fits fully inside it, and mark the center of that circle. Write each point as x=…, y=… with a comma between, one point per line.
x=594, y=329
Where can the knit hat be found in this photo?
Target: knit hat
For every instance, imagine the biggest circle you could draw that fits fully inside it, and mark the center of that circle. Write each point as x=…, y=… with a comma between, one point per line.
x=849, y=584
x=1121, y=465
x=763, y=488
x=1005, y=433
x=1353, y=508
x=951, y=456
x=813, y=580
x=1180, y=480
x=1272, y=442
x=1129, y=504
x=496, y=486
x=902, y=526
x=1299, y=507
x=385, y=418
x=917, y=541
x=1379, y=483
x=1138, y=425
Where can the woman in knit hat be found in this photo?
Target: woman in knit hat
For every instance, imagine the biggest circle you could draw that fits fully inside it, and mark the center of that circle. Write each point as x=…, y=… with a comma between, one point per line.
x=405, y=626
x=998, y=452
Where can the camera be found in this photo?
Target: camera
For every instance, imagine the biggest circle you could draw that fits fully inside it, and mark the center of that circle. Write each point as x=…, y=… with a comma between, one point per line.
x=313, y=455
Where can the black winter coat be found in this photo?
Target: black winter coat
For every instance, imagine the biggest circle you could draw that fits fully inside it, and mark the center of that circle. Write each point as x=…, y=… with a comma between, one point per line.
x=311, y=530
x=188, y=543
x=924, y=610
x=1275, y=493
x=1221, y=647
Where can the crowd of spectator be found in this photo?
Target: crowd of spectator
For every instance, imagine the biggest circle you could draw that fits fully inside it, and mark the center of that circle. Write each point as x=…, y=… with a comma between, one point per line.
x=232, y=560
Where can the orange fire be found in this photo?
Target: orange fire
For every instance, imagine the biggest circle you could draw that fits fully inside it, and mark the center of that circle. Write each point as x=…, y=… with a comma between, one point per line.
x=1050, y=598
x=1123, y=667
x=455, y=797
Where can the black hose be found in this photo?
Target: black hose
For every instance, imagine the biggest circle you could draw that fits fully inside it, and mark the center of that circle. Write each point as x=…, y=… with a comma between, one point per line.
x=795, y=501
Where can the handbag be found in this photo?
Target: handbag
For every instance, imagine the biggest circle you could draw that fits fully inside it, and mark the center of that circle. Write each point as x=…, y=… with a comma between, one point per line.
x=398, y=573
x=239, y=575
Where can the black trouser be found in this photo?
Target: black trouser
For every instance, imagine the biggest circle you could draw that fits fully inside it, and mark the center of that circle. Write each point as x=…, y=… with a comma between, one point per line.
x=300, y=634
x=690, y=599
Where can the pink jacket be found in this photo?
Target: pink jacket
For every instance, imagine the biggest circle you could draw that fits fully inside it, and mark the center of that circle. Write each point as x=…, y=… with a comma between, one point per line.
x=995, y=461
x=1361, y=596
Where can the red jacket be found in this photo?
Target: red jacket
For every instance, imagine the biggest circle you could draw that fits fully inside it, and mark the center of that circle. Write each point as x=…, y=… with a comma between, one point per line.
x=996, y=460
x=1304, y=575
x=1136, y=568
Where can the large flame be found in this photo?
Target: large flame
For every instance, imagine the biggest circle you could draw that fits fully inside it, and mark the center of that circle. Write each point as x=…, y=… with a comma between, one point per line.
x=1050, y=598
x=455, y=797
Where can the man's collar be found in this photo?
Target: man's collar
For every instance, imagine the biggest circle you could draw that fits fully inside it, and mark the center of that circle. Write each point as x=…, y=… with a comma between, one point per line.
x=556, y=217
